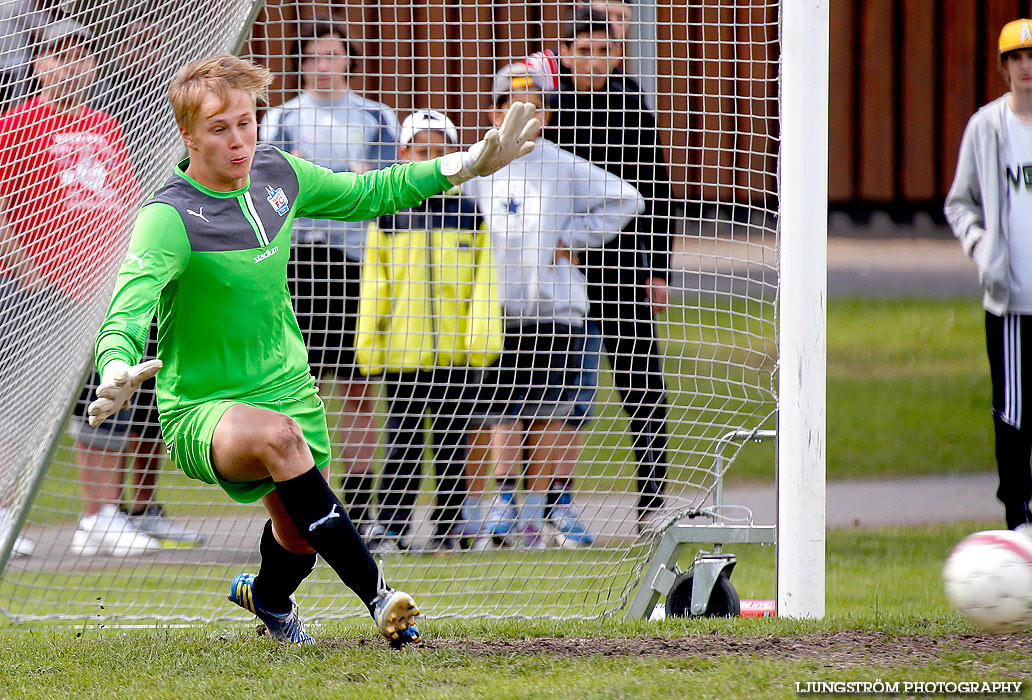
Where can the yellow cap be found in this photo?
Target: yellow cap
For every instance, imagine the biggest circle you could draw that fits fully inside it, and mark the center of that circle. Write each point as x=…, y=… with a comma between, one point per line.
x=1016, y=35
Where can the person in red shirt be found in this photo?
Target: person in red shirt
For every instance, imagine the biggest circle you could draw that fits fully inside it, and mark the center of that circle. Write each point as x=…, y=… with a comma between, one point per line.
x=66, y=185
x=67, y=191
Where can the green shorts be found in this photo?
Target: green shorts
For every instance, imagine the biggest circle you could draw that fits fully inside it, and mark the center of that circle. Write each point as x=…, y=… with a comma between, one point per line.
x=188, y=436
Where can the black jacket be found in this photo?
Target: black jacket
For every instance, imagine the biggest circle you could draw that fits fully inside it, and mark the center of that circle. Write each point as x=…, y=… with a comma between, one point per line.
x=614, y=129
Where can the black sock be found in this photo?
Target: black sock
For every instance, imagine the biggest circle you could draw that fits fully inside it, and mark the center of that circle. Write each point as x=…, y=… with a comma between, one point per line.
x=324, y=523
x=357, y=490
x=281, y=573
x=555, y=489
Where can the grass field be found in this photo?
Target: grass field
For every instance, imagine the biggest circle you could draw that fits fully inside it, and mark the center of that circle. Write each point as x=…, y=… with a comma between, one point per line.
x=887, y=619
x=907, y=394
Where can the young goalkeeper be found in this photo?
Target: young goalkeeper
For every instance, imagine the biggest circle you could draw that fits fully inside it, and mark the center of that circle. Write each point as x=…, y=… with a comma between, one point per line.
x=238, y=405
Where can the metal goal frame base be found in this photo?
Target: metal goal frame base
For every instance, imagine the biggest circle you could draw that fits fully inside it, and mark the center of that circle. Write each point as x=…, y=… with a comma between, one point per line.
x=661, y=573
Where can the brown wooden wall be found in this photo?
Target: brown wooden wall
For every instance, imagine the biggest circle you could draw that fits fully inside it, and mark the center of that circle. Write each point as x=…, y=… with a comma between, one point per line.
x=716, y=103
x=905, y=77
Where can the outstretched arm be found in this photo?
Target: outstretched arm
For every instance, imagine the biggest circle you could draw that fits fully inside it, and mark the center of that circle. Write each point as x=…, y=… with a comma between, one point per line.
x=349, y=197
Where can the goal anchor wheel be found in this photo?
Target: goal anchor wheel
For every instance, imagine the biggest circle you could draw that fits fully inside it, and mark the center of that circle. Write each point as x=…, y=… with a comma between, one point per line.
x=710, y=594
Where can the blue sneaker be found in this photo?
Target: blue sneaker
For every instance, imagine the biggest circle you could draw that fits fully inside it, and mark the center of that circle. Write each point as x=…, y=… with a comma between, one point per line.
x=285, y=627
x=471, y=519
x=566, y=519
x=501, y=516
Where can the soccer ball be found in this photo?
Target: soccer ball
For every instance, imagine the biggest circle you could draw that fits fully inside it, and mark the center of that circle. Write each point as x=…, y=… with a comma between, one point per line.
x=988, y=578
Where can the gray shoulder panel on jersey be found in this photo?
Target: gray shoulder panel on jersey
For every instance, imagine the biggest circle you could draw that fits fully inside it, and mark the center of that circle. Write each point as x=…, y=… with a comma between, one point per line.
x=274, y=187
x=218, y=223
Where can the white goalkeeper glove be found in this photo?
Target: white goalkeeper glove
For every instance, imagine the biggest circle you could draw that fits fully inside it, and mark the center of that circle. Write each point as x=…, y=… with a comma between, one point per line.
x=499, y=147
x=117, y=387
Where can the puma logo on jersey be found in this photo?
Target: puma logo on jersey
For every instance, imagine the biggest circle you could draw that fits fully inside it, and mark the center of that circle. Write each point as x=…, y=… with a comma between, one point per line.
x=199, y=214
x=326, y=518
x=266, y=254
x=138, y=258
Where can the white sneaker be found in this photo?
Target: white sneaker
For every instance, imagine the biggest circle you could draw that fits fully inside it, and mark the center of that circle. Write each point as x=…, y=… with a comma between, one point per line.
x=1024, y=529
x=110, y=532
x=22, y=546
x=154, y=523
x=480, y=544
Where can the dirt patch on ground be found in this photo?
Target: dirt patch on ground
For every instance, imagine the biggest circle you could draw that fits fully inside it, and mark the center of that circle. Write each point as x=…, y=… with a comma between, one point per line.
x=840, y=649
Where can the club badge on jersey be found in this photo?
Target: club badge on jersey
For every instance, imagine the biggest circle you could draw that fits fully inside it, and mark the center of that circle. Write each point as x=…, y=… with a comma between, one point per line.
x=278, y=200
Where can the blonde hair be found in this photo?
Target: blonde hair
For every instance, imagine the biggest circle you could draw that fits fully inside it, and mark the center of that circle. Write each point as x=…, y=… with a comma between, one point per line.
x=217, y=75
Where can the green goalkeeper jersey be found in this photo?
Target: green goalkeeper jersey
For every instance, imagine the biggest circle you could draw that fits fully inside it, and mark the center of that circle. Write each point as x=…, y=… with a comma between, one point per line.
x=214, y=266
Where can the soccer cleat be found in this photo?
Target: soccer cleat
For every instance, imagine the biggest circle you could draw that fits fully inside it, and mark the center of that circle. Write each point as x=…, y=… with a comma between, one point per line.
x=22, y=546
x=501, y=517
x=284, y=627
x=395, y=613
x=110, y=532
x=153, y=521
x=566, y=519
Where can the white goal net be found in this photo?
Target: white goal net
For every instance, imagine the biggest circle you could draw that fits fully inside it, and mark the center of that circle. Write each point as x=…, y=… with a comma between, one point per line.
x=630, y=279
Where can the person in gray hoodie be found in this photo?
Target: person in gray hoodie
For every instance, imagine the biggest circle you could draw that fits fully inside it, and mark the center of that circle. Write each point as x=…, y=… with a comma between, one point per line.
x=989, y=208
x=540, y=211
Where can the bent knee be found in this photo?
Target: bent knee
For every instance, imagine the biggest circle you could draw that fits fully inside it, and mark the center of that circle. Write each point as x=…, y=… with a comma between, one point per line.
x=282, y=440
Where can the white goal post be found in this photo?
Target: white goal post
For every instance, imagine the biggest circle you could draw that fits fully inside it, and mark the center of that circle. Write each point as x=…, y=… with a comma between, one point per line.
x=803, y=309
x=724, y=108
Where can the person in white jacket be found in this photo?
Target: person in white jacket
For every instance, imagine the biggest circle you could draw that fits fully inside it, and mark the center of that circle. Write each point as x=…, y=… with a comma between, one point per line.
x=989, y=208
x=540, y=211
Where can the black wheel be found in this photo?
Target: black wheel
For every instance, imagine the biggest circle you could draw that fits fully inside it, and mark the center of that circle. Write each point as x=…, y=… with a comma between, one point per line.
x=723, y=601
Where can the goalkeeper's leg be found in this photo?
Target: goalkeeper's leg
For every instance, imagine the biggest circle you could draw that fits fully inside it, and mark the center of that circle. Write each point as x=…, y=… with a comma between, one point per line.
x=250, y=444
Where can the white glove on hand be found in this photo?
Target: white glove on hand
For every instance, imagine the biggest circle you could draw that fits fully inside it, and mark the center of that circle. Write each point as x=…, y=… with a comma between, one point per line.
x=499, y=147
x=117, y=387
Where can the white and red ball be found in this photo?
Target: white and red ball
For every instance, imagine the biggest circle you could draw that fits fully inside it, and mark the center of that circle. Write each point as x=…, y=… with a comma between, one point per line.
x=988, y=578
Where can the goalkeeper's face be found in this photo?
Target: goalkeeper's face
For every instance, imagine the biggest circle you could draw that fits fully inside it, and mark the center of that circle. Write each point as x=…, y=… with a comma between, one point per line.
x=222, y=140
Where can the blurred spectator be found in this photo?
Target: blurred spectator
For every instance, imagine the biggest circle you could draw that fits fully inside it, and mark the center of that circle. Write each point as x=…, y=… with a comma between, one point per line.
x=598, y=119
x=540, y=210
x=66, y=186
x=332, y=126
x=619, y=13
x=989, y=208
x=428, y=315
x=135, y=90
x=19, y=19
